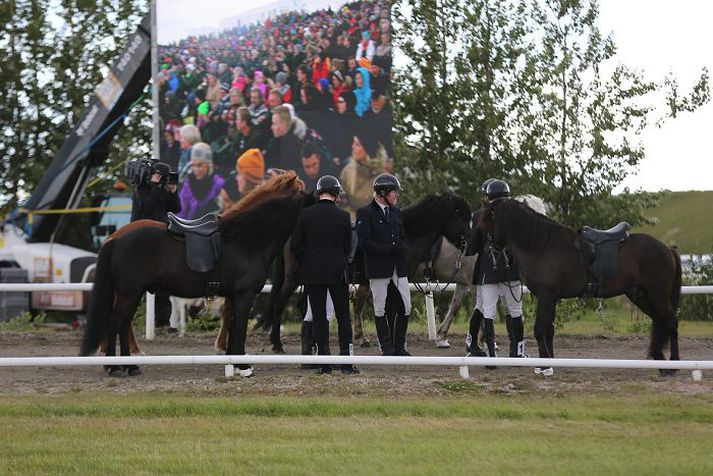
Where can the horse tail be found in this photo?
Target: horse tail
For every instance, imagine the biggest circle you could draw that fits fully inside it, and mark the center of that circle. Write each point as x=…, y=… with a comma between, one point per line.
x=676, y=288
x=101, y=303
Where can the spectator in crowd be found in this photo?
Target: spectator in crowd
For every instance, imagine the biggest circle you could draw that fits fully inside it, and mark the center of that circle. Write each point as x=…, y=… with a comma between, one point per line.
x=258, y=111
x=384, y=48
x=212, y=93
x=345, y=102
x=249, y=173
x=337, y=88
x=190, y=135
x=302, y=82
x=314, y=166
x=247, y=136
x=170, y=147
x=199, y=193
x=365, y=48
x=259, y=83
x=283, y=86
x=365, y=163
x=274, y=99
x=283, y=152
x=362, y=92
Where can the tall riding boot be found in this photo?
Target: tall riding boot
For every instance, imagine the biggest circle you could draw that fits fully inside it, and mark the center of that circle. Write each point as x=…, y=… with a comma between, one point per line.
x=383, y=332
x=517, y=339
x=400, y=328
x=471, y=339
x=307, y=343
x=490, y=339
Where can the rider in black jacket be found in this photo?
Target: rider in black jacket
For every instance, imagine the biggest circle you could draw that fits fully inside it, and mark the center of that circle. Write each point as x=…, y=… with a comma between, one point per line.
x=384, y=243
x=321, y=243
x=496, y=275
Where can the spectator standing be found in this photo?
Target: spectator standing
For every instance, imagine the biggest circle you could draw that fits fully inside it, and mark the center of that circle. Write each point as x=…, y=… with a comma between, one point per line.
x=357, y=176
x=199, y=193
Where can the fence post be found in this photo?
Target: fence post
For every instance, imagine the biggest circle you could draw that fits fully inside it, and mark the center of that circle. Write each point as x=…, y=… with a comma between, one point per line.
x=431, y=316
x=150, y=315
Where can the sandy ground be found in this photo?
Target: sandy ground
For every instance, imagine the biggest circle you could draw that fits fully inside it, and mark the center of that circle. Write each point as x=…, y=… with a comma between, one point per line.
x=375, y=381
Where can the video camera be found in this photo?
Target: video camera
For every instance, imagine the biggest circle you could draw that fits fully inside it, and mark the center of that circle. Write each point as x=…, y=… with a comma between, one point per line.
x=139, y=172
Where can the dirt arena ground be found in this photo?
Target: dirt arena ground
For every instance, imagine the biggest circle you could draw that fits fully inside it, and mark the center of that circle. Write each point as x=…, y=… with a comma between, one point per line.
x=376, y=381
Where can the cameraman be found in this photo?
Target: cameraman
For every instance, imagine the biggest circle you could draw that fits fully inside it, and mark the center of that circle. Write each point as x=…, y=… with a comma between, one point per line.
x=152, y=200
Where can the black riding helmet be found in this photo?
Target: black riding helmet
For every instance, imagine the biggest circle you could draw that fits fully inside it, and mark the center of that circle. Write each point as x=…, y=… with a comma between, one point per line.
x=386, y=183
x=328, y=184
x=496, y=189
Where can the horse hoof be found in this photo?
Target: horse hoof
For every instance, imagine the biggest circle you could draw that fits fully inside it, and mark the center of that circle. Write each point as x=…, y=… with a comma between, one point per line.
x=667, y=372
x=133, y=370
x=116, y=372
x=544, y=371
x=442, y=344
x=246, y=373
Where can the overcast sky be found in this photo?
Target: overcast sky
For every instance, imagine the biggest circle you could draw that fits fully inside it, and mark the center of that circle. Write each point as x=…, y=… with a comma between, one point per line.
x=659, y=36
x=656, y=36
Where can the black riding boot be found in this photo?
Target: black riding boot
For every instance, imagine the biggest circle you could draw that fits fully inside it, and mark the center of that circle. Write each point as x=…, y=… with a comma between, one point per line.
x=307, y=343
x=383, y=332
x=400, y=328
x=348, y=369
x=489, y=332
x=471, y=340
x=517, y=337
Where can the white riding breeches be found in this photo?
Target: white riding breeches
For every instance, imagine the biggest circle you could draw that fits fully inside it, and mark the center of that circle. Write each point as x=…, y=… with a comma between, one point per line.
x=330, y=309
x=379, y=289
x=487, y=298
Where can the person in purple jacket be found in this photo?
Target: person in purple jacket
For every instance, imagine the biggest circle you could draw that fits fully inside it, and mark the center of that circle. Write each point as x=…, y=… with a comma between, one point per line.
x=200, y=192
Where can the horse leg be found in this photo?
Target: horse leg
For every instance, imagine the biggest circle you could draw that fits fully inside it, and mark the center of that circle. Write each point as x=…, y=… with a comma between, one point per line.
x=545, y=330
x=125, y=331
x=663, y=328
x=455, y=305
x=133, y=343
x=238, y=328
x=221, y=342
x=360, y=298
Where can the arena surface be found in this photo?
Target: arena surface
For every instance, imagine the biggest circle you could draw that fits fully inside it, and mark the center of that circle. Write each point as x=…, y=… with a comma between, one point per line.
x=374, y=381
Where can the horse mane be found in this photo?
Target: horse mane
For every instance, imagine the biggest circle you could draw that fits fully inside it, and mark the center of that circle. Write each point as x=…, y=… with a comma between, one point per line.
x=281, y=185
x=253, y=228
x=420, y=216
x=531, y=230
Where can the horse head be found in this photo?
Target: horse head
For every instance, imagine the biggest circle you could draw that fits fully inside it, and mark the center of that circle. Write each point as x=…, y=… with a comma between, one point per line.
x=456, y=224
x=490, y=221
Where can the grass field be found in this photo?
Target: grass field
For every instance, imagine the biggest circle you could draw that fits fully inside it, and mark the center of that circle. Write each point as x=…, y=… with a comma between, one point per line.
x=684, y=220
x=182, y=434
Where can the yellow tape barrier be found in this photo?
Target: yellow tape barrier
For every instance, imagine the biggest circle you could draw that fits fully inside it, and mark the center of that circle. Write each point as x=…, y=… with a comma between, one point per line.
x=61, y=211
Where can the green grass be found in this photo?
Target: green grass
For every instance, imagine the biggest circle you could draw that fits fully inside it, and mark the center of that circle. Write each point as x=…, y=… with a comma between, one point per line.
x=684, y=220
x=182, y=434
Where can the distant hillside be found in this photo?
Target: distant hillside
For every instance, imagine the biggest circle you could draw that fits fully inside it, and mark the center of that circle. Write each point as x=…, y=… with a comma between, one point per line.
x=686, y=220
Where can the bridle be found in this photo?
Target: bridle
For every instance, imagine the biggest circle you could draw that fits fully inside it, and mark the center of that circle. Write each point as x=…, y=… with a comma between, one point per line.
x=438, y=286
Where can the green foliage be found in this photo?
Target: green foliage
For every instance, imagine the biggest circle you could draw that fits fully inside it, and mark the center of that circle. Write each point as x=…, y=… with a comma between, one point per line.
x=531, y=92
x=55, y=53
x=698, y=307
x=203, y=321
x=24, y=322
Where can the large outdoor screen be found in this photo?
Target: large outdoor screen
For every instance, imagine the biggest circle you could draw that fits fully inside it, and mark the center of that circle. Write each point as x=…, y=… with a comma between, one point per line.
x=276, y=85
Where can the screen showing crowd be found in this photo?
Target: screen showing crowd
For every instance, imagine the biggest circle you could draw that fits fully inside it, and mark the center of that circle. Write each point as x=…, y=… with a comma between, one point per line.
x=296, y=90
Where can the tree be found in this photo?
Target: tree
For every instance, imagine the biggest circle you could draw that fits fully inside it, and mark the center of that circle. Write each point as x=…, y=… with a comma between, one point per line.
x=57, y=54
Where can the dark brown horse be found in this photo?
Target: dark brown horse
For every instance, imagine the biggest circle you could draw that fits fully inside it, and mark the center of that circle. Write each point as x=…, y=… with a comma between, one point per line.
x=553, y=267
x=444, y=214
x=144, y=256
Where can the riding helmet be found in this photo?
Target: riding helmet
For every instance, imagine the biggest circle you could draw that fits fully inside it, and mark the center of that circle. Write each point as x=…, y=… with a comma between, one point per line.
x=484, y=187
x=328, y=184
x=386, y=183
x=497, y=189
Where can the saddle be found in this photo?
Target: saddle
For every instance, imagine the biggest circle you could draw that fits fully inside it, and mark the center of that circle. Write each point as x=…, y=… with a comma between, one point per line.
x=600, y=249
x=204, y=243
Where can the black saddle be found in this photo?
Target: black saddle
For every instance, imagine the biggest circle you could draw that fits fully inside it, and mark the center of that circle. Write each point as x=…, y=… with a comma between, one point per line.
x=600, y=249
x=204, y=243
x=618, y=233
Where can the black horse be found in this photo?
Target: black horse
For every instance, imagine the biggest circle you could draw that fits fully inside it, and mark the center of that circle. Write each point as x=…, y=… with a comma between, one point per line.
x=144, y=256
x=444, y=214
x=553, y=266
